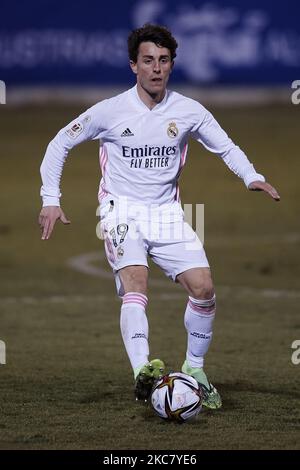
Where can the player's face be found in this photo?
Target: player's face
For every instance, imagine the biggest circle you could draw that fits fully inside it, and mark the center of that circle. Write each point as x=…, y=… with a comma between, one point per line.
x=153, y=67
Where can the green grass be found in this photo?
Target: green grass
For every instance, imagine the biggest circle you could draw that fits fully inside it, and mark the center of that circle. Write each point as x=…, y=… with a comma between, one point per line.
x=67, y=382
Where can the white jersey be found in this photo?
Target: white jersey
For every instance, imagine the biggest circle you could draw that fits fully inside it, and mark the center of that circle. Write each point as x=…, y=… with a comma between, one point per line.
x=142, y=151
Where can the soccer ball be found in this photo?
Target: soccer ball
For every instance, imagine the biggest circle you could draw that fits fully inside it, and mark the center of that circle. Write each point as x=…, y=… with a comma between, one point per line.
x=177, y=397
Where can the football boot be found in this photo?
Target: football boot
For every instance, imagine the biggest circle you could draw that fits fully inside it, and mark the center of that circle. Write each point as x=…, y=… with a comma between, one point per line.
x=212, y=398
x=146, y=377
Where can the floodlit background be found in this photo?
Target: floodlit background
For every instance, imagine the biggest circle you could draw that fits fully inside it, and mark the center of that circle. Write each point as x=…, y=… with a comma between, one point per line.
x=67, y=383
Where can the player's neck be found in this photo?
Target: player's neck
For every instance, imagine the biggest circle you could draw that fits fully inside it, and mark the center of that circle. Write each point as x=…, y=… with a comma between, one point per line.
x=150, y=99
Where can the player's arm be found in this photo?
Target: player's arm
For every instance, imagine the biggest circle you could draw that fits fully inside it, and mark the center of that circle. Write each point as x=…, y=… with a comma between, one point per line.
x=85, y=127
x=215, y=139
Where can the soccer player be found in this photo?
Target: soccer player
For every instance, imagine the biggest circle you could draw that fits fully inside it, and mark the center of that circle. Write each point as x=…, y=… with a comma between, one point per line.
x=143, y=136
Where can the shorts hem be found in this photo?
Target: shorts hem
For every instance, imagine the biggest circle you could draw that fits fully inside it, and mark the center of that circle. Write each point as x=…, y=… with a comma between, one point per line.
x=190, y=266
x=130, y=263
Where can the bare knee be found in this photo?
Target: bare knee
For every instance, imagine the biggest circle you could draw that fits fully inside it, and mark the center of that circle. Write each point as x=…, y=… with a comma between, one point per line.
x=204, y=290
x=198, y=283
x=134, y=279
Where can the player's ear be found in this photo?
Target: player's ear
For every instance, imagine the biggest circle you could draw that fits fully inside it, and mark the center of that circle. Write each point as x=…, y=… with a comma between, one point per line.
x=172, y=65
x=133, y=66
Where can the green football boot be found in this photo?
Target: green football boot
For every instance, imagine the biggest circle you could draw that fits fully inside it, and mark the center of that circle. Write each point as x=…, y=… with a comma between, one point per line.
x=145, y=378
x=212, y=397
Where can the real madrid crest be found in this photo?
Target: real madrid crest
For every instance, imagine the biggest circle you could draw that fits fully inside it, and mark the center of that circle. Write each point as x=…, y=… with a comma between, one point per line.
x=172, y=130
x=120, y=252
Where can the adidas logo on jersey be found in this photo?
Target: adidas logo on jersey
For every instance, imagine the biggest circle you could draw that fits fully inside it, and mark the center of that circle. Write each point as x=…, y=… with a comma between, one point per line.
x=127, y=133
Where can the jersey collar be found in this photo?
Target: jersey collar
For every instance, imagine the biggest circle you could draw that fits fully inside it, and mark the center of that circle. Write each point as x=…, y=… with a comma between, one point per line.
x=141, y=104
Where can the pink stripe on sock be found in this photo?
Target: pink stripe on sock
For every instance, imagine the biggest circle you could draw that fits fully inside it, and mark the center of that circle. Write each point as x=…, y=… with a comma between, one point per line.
x=138, y=294
x=205, y=310
x=135, y=298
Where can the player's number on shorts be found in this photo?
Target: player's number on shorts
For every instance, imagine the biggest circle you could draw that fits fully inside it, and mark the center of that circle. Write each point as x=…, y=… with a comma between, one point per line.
x=122, y=230
x=112, y=233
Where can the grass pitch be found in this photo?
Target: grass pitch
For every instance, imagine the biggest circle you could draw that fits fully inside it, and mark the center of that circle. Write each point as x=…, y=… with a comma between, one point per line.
x=67, y=382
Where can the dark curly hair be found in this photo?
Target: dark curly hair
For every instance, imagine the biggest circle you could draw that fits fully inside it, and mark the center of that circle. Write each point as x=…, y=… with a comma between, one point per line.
x=160, y=35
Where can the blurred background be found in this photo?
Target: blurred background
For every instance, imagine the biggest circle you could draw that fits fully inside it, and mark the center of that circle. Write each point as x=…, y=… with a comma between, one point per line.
x=52, y=45
x=67, y=382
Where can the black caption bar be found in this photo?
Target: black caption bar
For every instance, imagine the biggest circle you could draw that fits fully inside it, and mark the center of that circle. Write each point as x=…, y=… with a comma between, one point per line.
x=137, y=458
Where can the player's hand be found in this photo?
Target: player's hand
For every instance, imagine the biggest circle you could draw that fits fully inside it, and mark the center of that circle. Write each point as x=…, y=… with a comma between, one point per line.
x=47, y=219
x=266, y=187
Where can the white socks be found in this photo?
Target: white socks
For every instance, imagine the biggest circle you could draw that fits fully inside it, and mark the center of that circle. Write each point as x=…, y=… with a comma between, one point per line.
x=198, y=321
x=134, y=328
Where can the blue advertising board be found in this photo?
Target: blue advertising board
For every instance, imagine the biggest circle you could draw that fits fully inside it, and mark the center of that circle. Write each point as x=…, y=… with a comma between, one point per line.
x=229, y=42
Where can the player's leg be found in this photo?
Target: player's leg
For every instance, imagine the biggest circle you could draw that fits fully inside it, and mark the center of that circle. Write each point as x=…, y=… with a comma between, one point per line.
x=183, y=259
x=126, y=252
x=133, y=320
x=134, y=328
x=199, y=317
x=127, y=255
x=132, y=288
x=199, y=314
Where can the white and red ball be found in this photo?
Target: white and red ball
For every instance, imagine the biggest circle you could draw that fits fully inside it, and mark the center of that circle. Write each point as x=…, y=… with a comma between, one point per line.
x=177, y=397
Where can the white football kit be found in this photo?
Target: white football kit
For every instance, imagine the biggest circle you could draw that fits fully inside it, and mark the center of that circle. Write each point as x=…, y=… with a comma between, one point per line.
x=142, y=153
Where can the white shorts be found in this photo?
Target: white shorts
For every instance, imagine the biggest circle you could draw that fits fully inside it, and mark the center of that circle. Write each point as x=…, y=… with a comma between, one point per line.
x=131, y=235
